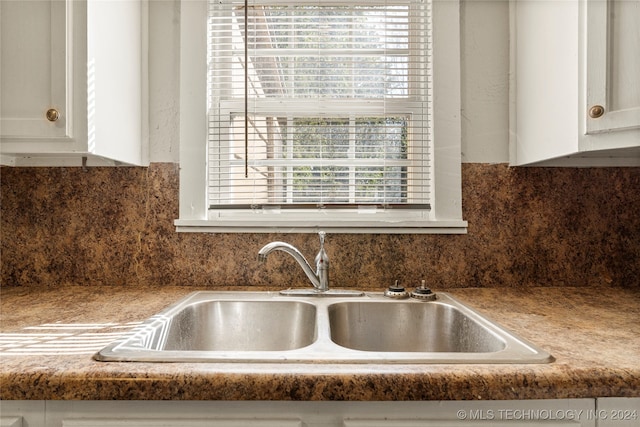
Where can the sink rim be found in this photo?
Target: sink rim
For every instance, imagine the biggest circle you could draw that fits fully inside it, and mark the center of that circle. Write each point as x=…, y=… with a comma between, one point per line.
x=135, y=346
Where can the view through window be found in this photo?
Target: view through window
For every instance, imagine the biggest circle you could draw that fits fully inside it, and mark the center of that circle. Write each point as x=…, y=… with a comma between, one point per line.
x=319, y=104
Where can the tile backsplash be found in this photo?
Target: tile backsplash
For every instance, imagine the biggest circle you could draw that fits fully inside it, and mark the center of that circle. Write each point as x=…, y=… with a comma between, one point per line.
x=114, y=227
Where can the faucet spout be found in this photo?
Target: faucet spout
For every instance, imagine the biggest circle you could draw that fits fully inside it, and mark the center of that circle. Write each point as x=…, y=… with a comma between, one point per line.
x=319, y=279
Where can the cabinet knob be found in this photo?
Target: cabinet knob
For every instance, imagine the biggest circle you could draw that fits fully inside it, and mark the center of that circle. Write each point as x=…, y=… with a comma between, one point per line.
x=596, y=111
x=52, y=114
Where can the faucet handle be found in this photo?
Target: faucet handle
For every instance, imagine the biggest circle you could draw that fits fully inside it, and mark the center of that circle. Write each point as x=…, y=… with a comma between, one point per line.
x=322, y=259
x=322, y=265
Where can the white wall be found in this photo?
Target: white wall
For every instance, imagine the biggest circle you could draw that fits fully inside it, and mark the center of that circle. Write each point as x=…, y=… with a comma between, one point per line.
x=164, y=72
x=485, y=81
x=485, y=89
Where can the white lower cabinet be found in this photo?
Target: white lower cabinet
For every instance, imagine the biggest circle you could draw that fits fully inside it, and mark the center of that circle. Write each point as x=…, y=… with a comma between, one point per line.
x=22, y=413
x=175, y=422
x=602, y=412
x=618, y=412
x=547, y=413
x=512, y=413
x=10, y=421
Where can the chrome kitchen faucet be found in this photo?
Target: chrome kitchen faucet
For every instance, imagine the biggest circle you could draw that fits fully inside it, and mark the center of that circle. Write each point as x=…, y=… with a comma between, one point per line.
x=319, y=279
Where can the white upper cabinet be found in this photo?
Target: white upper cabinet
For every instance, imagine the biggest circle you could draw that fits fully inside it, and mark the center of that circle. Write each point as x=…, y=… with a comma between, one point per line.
x=34, y=71
x=72, y=82
x=575, y=89
x=613, y=65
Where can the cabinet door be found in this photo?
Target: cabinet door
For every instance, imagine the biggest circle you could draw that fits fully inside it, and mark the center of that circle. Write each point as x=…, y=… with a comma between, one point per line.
x=509, y=413
x=618, y=411
x=25, y=413
x=180, y=422
x=392, y=422
x=34, y=70
x=168, y=414
x=10, y=421
x=613, y=65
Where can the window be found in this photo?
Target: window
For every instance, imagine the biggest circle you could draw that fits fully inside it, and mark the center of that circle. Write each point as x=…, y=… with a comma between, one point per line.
x=315, y=114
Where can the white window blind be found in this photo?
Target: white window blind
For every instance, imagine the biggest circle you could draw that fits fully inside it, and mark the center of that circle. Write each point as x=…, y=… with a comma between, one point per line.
x=337, y=109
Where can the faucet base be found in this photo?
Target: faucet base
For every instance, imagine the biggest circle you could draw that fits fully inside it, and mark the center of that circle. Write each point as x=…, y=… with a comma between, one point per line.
x=317, y=293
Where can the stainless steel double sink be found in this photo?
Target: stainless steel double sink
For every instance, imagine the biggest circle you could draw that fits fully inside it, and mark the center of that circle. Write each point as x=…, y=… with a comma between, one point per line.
x=267, y=327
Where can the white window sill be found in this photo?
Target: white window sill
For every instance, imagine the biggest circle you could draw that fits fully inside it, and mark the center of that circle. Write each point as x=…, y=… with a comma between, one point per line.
x=332, y=227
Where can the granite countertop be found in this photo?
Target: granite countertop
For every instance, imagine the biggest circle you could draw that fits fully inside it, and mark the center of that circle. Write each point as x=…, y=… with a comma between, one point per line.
x=47, y=338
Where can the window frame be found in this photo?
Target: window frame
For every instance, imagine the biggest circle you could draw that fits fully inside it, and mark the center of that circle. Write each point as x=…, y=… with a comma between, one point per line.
x=445, y=215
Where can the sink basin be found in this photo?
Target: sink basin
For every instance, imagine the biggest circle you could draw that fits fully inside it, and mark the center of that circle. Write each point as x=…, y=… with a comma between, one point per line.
x=409, y=327
x=242, y=326
x=268, y=327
